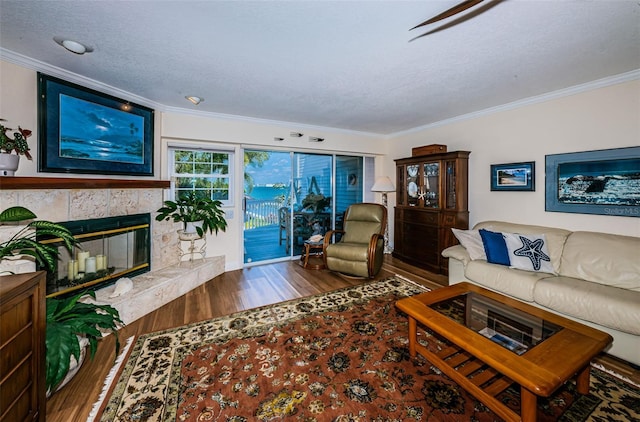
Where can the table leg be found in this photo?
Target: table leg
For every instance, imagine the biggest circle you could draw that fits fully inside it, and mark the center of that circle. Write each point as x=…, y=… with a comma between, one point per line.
x=307, y=251
x=582, y=380
x=528, y=405
x=413, y=337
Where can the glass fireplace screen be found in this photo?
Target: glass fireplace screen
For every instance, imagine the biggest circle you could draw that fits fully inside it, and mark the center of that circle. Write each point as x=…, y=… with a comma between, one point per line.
x=109, y=248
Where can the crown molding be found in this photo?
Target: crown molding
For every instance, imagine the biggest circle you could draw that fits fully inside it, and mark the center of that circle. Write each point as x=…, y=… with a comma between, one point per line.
x=43, y=67
x=287, y=125
x=565, y=92
x=58, y=72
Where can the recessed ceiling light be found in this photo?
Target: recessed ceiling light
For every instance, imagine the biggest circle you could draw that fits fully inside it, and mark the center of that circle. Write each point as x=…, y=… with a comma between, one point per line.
x=195, y=100
x=73, y=46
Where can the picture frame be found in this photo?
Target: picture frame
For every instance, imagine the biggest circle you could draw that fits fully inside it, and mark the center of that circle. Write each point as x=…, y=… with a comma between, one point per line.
x=85, y=131
x=605, y=182
x=513, y=176
x=352, y=180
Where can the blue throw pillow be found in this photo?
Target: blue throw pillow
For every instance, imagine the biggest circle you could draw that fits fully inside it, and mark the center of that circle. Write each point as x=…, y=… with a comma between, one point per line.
x=495, y=247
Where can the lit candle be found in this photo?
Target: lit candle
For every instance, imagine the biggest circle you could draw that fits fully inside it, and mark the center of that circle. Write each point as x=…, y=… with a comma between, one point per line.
x=101, y=262
x=82, y=256
x=90, y=264
x=71, y=269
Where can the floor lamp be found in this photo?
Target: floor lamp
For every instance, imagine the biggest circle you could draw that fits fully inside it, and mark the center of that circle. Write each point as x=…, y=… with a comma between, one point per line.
x=384, y=185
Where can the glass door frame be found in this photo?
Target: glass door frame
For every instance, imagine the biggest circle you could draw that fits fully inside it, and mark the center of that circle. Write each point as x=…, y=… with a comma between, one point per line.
x=367, y=174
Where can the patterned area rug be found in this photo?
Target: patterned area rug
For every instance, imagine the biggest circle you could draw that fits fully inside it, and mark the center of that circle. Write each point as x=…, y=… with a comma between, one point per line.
x=339, y=356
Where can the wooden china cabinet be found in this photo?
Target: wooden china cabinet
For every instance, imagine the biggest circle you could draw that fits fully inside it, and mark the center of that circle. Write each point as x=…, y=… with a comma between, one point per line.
x=431, y=198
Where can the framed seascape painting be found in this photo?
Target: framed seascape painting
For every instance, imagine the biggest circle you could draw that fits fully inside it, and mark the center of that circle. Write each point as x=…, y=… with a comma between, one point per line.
x=513, y=177
x=605, y=182
x=85, y=131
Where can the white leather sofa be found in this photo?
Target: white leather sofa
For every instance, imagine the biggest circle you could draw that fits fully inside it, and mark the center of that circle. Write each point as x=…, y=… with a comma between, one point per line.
x=597, y=280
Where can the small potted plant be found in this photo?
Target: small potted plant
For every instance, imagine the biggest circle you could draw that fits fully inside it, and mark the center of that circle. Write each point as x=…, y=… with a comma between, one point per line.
x=12, y=146
x=190, y=208
x=25, y=241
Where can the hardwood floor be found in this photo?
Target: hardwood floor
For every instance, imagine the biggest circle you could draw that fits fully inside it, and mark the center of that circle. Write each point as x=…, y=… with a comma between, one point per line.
x=230, y=292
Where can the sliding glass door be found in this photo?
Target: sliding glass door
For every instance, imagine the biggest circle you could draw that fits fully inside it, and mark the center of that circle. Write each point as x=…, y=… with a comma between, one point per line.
x=267, y=199
x=290, y=197
x=312, y=211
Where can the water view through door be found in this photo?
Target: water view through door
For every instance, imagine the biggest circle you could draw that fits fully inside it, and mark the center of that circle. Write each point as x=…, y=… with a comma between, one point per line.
x=291, y=196
x=267, y=193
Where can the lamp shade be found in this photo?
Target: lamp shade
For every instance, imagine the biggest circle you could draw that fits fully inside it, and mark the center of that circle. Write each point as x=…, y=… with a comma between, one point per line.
x=383, y=184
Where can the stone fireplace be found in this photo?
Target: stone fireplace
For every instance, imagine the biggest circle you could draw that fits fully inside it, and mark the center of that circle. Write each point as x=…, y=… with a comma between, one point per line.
x=74, y=199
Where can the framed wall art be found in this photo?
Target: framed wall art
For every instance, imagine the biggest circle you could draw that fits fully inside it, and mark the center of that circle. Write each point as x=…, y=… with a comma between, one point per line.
x=85, y=131
x=513, y=176
x=605, y=182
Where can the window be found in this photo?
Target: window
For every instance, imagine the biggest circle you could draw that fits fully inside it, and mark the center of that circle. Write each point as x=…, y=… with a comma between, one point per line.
x=208, y=173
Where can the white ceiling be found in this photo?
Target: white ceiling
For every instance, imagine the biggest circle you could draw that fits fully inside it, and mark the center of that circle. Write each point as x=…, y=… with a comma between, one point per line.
x=341, y=64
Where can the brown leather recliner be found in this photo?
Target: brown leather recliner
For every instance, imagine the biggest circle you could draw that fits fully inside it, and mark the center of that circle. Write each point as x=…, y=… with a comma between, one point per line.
x=360, y=251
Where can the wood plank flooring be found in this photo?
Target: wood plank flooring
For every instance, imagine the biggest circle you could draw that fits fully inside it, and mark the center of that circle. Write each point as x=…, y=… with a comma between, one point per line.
x=230, y=292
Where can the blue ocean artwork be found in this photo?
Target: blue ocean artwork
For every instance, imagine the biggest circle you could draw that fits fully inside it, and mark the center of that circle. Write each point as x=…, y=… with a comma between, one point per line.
x=517, y=176
x=613, y=182
x=94, y=132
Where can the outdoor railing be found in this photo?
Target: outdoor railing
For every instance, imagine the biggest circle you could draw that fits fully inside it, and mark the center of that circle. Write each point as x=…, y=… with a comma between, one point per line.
x=261, y=213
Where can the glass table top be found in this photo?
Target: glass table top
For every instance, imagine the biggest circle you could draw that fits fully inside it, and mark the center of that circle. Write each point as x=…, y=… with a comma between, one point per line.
x=511, y=328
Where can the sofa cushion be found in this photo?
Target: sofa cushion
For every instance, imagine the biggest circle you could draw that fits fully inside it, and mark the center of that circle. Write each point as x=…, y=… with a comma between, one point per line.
x=494, y=247
x=472, y=242
x=604, y=305
x=516, y=283
x=528, y=252
x=555, y=237
x=603, y=258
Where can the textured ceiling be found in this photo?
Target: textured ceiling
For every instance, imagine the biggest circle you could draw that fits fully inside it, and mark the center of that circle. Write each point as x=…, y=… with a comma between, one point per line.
x=341, y=64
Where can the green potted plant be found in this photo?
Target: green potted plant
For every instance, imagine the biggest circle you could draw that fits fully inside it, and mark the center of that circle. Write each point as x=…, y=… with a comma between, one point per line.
x=191, y=208
x=73, y=325
x=12, y=146
x=25, y=241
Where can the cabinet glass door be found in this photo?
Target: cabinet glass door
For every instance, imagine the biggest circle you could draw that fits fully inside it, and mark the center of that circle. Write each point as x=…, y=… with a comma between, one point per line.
x=431, y=185
x=400, y=194
x=412, y=184
x=451, y=185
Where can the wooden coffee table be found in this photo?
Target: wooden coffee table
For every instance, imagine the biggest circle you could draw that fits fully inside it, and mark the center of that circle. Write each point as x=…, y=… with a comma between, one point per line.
x=494, y=341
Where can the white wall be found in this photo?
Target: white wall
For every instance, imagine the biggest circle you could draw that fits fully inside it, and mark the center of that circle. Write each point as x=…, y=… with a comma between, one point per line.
x=602, y=118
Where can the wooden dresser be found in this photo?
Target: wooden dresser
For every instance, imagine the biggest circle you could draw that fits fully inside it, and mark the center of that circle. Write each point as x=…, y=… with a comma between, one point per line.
x=22, y=347
x=431, y=198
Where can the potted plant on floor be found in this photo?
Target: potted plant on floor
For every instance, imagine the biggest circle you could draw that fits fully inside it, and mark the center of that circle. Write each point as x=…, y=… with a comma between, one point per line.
x=25, y=241
x=72, y=325
x=190, y=208
x=12, y=146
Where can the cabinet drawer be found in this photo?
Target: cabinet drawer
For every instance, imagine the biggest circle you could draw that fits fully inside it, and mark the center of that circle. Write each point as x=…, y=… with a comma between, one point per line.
x=15, y=318
x=420, y=242
x=16, y=350
x=420, y=216
x=13, y=386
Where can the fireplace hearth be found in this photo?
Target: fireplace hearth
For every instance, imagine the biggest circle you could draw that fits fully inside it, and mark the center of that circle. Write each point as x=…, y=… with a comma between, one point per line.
x=109, y=248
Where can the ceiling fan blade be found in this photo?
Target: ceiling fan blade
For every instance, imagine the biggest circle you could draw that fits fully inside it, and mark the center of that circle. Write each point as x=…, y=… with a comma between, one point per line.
x=454, y=10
